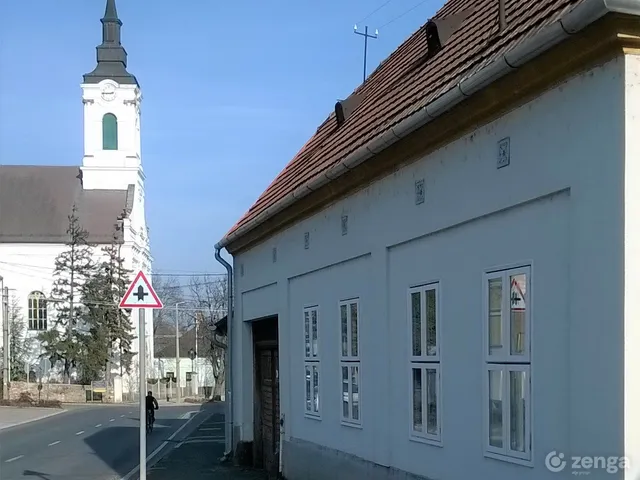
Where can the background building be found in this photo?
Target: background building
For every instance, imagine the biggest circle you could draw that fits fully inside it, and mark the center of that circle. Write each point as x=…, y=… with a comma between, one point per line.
x=107, y=189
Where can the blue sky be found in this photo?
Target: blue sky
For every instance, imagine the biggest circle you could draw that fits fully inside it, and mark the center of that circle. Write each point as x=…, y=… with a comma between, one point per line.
x=231, y=90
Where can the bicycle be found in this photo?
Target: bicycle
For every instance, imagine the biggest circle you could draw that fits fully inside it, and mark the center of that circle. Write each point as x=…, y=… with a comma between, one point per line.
x=150, y=421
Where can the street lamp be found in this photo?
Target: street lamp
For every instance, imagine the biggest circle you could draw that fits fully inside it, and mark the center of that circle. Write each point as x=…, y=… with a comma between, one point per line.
x=178, y=354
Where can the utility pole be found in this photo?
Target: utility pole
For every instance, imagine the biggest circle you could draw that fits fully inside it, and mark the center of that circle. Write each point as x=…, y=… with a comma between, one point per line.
x=5, y=341
x=366, y=39
x=178, y=383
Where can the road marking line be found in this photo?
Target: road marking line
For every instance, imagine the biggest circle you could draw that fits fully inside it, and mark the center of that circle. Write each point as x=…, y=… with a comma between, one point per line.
x=201, y=440
x=121, y=416
x=98, y=425
x=80, y=432
x=166, y=442
x=14, y=459
x=54, y=443
x=112, y=420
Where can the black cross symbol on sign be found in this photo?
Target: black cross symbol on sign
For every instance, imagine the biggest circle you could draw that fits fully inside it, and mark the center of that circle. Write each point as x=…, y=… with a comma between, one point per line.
x=141, y=293
x=515, y=299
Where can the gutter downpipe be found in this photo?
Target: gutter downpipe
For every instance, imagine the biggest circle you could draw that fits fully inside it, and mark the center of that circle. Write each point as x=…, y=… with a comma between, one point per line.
x=228, y=377
x=569, y=24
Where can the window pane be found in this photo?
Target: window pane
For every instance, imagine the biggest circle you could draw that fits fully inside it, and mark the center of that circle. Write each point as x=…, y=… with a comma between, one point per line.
x=314, y=333
x=308, y=387
x=495, y=315
x=495, y=409
x=345, y=392
x=354, y=329
x=518, y=307
x=431, y=322
x=432, y=402
x=416, y=323
x=109, y=132
x=417, y=399
x=345, y=329
x=307, y=341
x=518, y=410
x=355, y=394
x=316, y=390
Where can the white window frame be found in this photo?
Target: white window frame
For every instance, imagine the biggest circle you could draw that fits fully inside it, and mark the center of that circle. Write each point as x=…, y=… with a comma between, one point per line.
x=37, y=312
x=505, y=356
x=350, y=361
x=425, y=362
x=506, y=363
x=311, y=361
x=506, y=452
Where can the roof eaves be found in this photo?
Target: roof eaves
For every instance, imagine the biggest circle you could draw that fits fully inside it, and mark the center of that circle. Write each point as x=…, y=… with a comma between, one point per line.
x=571, y=23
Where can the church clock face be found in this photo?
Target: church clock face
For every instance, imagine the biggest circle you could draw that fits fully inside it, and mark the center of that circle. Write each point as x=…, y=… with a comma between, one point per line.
x=108, y=92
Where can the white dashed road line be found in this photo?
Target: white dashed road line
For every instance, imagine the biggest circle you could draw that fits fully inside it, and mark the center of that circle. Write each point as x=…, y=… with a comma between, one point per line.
x=14, y=459
x=112, y=420
x=98, y=425
x=121, y=416
x=80, y=432
x=54, y=443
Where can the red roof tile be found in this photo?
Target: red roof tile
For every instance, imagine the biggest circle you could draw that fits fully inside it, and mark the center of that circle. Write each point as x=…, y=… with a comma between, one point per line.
x=402, y=84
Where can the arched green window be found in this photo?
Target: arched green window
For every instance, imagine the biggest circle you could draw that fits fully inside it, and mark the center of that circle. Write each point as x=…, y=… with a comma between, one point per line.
x=109, y=132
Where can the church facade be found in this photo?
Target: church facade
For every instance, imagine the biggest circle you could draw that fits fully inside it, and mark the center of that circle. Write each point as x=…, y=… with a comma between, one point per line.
x=107, y=190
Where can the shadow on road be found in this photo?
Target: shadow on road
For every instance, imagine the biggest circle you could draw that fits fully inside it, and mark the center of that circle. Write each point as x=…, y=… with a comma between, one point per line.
x=118, y=447
x=31, y=473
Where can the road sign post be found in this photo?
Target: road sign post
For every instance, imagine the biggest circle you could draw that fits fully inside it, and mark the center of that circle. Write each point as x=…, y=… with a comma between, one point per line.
x=140, y=296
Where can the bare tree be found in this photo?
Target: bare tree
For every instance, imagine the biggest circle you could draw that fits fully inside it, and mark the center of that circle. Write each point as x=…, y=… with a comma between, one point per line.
x=170, y=292
x=210, y=299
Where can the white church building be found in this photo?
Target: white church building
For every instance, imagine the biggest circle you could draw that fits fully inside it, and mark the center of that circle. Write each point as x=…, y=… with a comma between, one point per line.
x=107, y=189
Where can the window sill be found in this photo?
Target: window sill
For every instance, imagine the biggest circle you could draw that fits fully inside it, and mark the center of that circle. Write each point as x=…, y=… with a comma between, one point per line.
x=506, y=458
x=434, y=442
x=346, y=423
x=311, y=416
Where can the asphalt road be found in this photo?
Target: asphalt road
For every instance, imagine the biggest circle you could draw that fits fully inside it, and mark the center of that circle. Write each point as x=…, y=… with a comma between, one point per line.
x=93, y=442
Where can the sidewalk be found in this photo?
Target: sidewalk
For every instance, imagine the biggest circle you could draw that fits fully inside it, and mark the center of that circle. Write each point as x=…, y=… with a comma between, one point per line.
x=198, y=457
x=12, y=416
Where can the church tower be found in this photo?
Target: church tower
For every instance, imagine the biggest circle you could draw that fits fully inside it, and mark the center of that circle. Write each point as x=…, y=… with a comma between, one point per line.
x=111, y=98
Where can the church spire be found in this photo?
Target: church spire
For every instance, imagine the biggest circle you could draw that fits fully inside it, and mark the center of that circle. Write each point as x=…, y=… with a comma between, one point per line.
x=111, y=55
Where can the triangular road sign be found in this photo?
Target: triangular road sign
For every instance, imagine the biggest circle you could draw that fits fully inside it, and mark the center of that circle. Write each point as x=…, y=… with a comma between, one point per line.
x=140, y=294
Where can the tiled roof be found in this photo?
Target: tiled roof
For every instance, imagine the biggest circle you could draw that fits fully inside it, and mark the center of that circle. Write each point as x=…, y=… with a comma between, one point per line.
x=35, y=202
x=404, y=83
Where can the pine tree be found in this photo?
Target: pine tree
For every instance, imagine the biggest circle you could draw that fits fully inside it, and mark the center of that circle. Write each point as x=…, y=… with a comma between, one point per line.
x=73, y=267
x=19, y=343
x=110, y=327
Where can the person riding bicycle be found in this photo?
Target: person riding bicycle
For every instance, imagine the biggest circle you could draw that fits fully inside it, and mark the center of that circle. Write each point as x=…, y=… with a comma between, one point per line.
x=152, y=404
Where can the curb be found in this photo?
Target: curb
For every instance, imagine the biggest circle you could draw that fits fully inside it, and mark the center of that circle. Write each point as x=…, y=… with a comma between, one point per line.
x=24, y=422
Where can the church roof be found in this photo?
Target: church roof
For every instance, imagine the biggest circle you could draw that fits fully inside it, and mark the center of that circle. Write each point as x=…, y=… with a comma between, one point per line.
x=35, y=202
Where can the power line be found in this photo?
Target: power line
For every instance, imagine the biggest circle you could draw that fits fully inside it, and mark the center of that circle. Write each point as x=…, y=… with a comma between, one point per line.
x=159, y=274
x=403, y=14
x=376, y=10
x=12, y=269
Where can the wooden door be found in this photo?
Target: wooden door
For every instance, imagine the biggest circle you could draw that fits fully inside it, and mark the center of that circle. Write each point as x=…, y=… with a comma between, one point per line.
x=268, y=408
